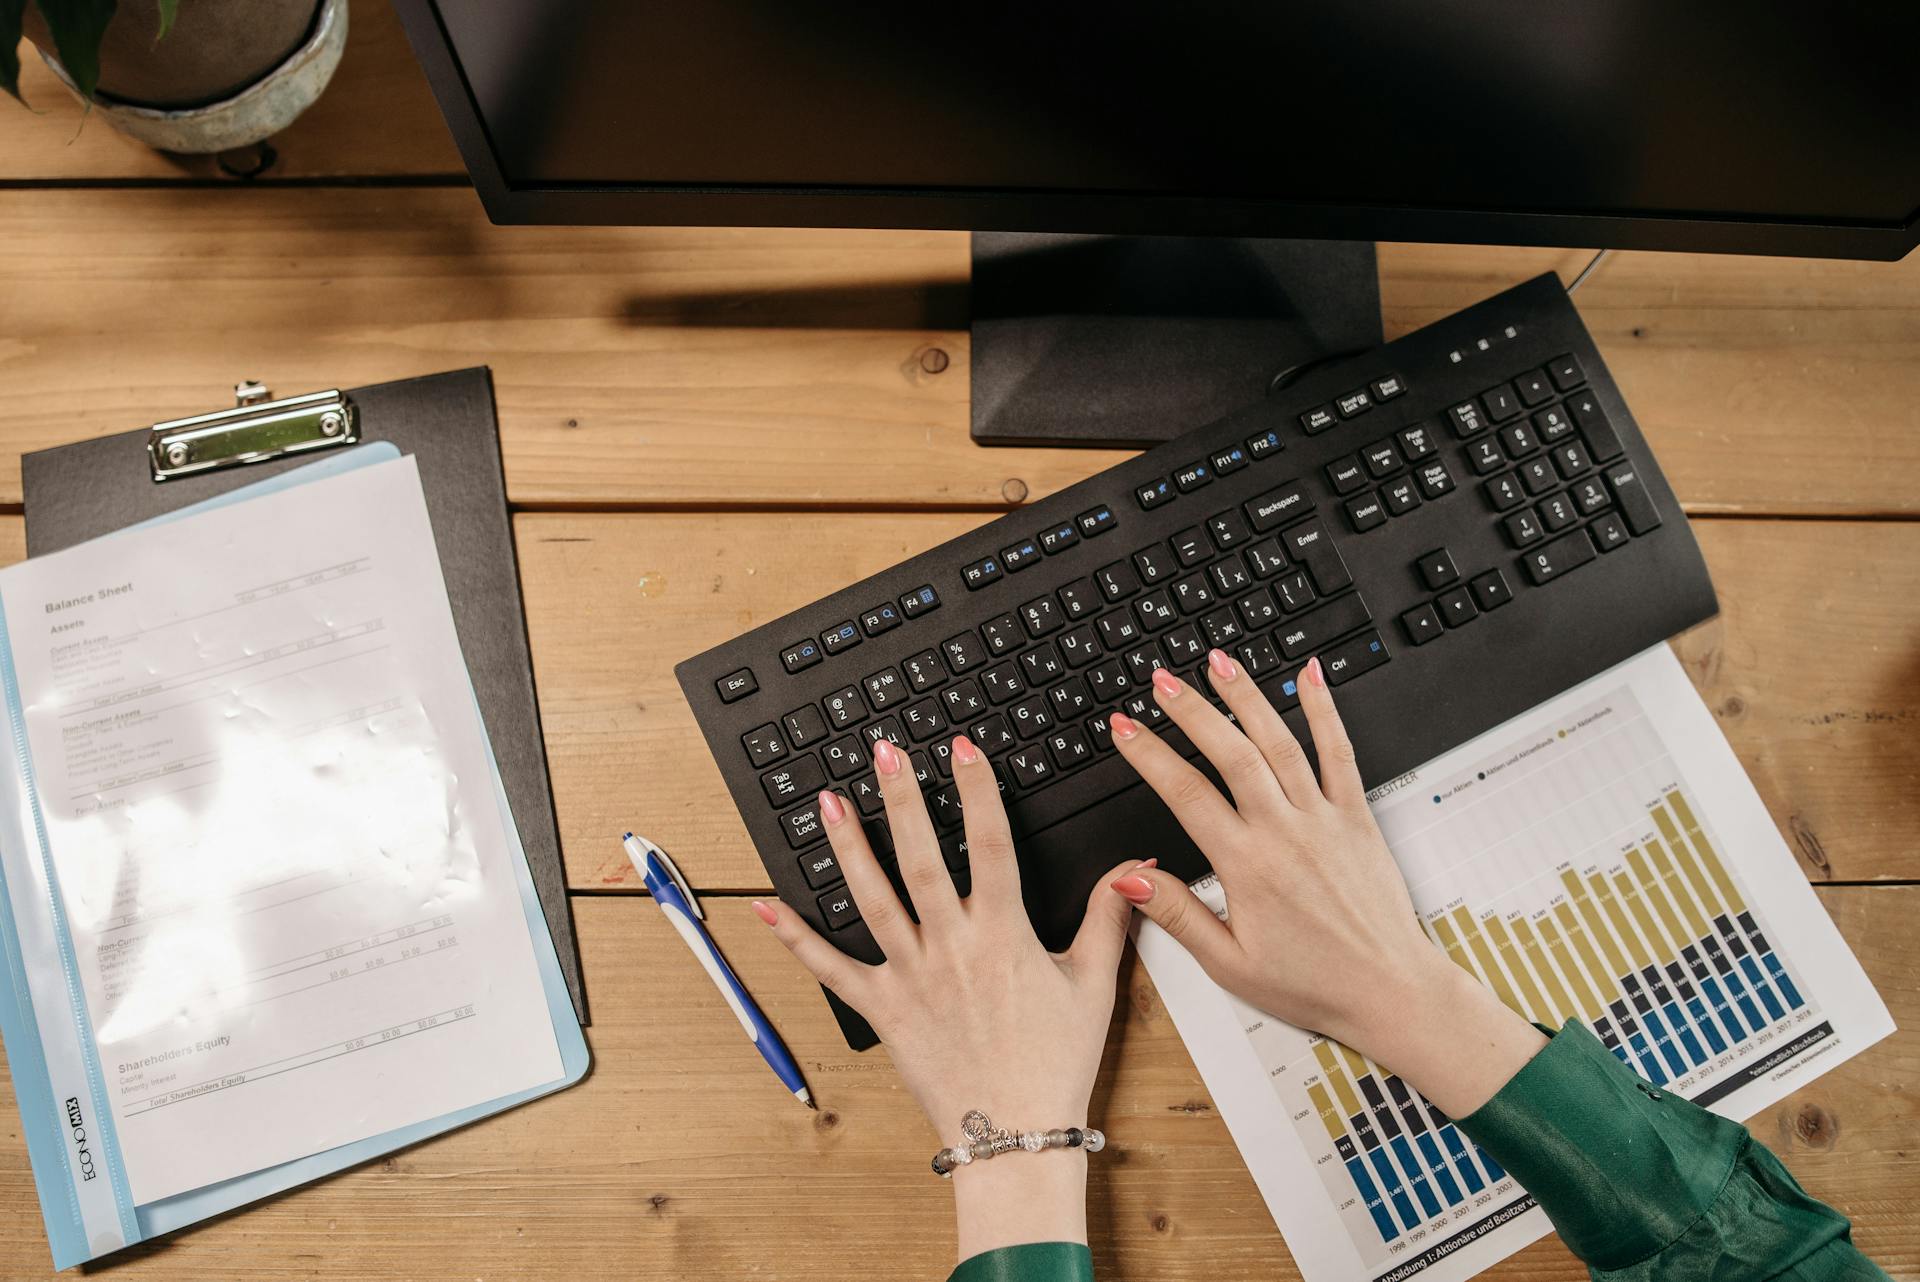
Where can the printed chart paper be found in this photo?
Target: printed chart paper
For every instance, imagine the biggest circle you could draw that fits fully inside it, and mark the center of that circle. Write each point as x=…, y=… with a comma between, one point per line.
x=1602, y=858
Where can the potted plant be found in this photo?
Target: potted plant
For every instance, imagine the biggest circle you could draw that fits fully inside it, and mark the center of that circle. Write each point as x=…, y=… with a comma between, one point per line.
x=183, y=75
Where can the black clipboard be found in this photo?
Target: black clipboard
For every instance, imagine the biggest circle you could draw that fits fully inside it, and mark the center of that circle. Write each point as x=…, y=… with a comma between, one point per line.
x=76, y=492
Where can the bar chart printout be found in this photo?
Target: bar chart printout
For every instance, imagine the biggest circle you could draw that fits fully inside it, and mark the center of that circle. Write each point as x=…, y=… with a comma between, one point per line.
x=1602, y=858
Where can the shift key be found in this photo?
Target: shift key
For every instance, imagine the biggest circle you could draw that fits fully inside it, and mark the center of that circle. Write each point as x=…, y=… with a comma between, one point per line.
x=1314, y=629
x=1630, y=495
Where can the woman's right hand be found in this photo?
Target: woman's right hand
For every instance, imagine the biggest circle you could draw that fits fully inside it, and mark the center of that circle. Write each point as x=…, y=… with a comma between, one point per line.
x=1321, y=931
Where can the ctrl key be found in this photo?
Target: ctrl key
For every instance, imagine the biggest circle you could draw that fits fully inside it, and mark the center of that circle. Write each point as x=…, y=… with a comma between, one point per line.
x=838, y=909
x=1351, y=658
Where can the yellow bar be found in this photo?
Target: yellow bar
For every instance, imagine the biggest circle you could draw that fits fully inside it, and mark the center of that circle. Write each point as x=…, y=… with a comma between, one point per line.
x=1606, y=981
x=1330, y=1069
x=1677, y=887
x=1471, y=932
x=1689, y=861
x=1355, y=1065
x=1451, y=942
x=1637, y=905
x=1336, y=1125
x=1590, y=914
x=1618, y=919
x=1652, y=888
x=1589, y=1004
x=1530, y=944
x=1715, y=869
x=1530, y=991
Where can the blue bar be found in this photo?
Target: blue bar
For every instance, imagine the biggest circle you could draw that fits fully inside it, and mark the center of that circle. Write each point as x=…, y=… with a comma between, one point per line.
x=1698, y=1009
x=1760, y=988
x=1450, y=1136
x=1747, y=1008
x=1495, y=1171
x=1442, y=1174
x=1779, y=974
x=1421, y=1189
x=1724, y=1011
x=1391, y=1179
x=1649, y=1065
x=1687, y=1039
x=1371, y=1196
x=1664, y=1040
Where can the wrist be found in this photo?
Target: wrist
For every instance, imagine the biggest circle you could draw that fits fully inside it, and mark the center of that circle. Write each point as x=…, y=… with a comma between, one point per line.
x=1021, y=1197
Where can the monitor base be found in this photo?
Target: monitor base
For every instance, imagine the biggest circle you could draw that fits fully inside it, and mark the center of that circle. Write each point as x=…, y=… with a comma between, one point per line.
x=1132, y=340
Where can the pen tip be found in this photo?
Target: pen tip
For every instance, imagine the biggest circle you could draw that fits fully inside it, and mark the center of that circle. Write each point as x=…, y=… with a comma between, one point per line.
x=815, y=1107
x=627, y=837
x=806, y=1097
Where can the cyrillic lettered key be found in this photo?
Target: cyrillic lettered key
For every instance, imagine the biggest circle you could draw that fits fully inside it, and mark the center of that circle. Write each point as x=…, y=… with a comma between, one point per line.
x=764, y=745
x=1564, y=554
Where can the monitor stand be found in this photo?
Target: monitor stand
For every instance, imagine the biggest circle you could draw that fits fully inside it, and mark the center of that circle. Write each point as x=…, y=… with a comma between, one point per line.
x=1132, y=340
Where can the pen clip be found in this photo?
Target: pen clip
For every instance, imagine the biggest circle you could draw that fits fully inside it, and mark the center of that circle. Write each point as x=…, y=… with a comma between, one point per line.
x=673, y=872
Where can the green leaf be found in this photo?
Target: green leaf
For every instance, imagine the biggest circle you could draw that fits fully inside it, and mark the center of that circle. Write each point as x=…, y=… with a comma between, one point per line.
x=78, y=26
x=169, y=10
x=10, y=11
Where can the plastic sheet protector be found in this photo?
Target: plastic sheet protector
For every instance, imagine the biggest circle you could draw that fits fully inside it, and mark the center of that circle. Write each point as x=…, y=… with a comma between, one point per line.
x=1601, y=858
x=263, y=895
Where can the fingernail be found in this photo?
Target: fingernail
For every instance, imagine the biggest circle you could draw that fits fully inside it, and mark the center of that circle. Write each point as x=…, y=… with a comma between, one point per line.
x=1135, y=890
x=1166, y=683
x=766, y=914
x=1148, y=863
x=1222, y=666
x=1122, y=725
x=963, y=750
x=886, y=757
x=830, y=807
x=1314, y=674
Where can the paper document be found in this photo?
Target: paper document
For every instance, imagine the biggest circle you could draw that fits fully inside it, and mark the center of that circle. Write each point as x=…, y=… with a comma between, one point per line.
x=267, y=801
x=1602, y=858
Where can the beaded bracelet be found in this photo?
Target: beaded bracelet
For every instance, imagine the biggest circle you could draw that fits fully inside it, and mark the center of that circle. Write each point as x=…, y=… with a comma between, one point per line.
x=985, y=1141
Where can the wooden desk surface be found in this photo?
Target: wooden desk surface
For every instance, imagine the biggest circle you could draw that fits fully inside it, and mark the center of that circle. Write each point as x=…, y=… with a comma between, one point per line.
x=680, y=412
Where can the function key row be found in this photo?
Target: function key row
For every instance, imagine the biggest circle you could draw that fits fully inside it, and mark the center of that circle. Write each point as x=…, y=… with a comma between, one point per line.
x=843, y=636
x=1089, y=524
x=1201, y=472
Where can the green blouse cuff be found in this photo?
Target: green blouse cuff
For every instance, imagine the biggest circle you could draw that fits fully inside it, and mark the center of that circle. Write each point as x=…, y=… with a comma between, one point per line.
x=1030, y=1262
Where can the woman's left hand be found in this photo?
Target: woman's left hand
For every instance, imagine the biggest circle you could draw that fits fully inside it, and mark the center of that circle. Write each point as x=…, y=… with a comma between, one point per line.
x=974, y=1011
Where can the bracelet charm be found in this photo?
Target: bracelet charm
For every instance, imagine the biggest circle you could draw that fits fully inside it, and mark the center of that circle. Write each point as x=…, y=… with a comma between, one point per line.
x=983, y=1140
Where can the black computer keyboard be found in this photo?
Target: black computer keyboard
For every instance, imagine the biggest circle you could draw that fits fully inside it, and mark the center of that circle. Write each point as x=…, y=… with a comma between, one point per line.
x=1408, y=516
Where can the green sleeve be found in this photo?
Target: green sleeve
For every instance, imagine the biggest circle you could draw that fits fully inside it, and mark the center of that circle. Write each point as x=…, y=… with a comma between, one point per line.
x=1646, y=1187
x=1033, y=1262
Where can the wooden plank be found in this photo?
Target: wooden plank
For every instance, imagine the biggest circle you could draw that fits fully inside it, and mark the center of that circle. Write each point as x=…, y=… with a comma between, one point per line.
x=1810, y=669
x=377, y=118
x=702, y=367
x=680, y=1157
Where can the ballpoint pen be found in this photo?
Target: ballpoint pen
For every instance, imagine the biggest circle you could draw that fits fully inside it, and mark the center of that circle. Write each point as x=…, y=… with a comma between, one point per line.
x=670, y=890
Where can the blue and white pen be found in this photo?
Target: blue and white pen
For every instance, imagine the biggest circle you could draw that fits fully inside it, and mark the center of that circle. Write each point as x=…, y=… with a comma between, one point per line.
x=670, y=890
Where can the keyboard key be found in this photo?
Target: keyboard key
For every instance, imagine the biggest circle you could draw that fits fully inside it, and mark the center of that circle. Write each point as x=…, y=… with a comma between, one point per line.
x=963, y=701
x=1228, y=530
x=1029, y=767
x=1041, y=665
x=1031, y=717
x=1002, y=635
x=1552, y=423
x=1079, y=599
x=1309, y=544
x=1551, y=560
x=943, y=805
x=881, y=618
x=803, y=825
x=1230, y=576
x=1422, y=623
x=1229, y=460
x=820, y=868
x=1266, y=558
x=1381, y=458
x=1095, y=521
x=1491, y=590
x=801, y=655
x=1117, y=581
x=1437, y=569
x=1041, y=616
x=736, y=685
x=1366, y=513
x=1002, y=682
x=1603, y=442
x=1258, y=610
x=1484, y=456
x=1504, y=492
x=1192, y=594
x=981, y=573
x=1456, y=607
x=1258, y=656
x=1354, y=403
x=1609, y=531
x=838, y=910
x=1070, y=699
x=963, y=653
x=1538, y=475
x=1346, y=474
x=1523, y=527
x=1108, y=682
x=1183, y=646
x=1020, y=555
x=919, y=601
x=1142, y=662
x=1152, y=494
x=992, y=733
x=804, y=726
x=1385, y=389
x=1117, y=630
x=1315, y=629
x=845, y=757
x=1631, y=496
x=1571, y=459
x=1278, y=505
x=884, y=689
x=1501, y=403
x=1069, y=749
x=1193, y=476
x=1265, y=443
x=1434, y=479
x=1191, y=546
x=1468, y=419
x=764, y=745
x=1401, y=497
x=1534, y=388
x=1518, y=439
x=923, y=720
x=1416, y=442
x=924, y=671
x=866, y=795
x=1080, y=646
x=1565, y=372
x=1293, y=592
x=1318, y=419
x=1156, y=564
x=1591, y=494
x=797, y=779
x=1059, y=538
x=1155, y=610
x=1557, y=512
x=1348, y=660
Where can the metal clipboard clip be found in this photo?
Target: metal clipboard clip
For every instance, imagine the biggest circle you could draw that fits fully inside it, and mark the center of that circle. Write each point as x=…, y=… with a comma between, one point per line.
x=255, y=430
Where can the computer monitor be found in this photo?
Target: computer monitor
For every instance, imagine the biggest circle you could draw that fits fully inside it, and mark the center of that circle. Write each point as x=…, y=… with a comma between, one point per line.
x=1742, y=126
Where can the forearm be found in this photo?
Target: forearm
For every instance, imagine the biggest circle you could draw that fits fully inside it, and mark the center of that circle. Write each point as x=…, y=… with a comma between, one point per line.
x=1021, y=1197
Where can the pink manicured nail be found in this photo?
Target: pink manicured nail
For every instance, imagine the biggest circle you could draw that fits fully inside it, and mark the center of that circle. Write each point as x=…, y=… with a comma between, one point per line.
x=1222, y=666
x=963, y=750
x=766, y=914
x=1314, y=672
x=1135, y=890
x=830, y=807
x=1148, y=863
x=1166, y=683
x=1122, y=725
x=886, y=757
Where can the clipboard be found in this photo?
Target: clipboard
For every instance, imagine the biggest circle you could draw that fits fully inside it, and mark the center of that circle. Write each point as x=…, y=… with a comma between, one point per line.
x=446, y=421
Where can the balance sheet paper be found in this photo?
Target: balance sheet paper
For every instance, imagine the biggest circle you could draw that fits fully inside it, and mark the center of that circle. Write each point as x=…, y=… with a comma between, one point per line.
x=1601, y=858
x=281, y=859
